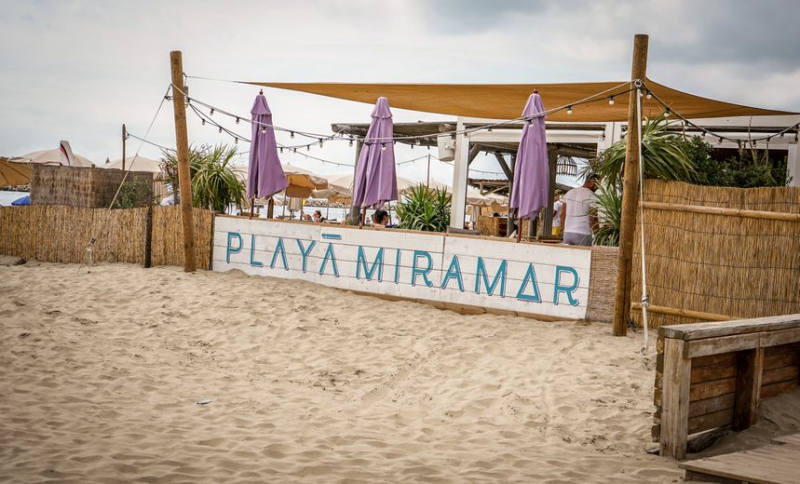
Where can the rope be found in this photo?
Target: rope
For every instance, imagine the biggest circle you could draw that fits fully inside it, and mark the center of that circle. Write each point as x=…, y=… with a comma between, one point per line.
x=645, y=296
x=93, y=240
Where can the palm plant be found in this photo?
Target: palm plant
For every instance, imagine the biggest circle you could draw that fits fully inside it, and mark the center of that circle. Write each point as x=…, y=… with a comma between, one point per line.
x=425, y=209
x=609, y=216
x=215, y=182
x=663, y=156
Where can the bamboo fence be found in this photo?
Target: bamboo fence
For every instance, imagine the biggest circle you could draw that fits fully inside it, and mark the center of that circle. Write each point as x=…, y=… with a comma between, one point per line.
x=601, y=285
x=740, y=267
x=55, y=233
x=88, y=187
x=168, y=237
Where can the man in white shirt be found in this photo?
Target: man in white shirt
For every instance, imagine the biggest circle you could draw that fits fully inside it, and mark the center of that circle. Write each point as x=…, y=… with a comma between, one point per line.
x=578, y=213
x=557, y=207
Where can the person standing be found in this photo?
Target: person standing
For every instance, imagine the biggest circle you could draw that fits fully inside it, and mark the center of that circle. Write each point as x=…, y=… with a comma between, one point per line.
x=578, y=213
x=558, y=205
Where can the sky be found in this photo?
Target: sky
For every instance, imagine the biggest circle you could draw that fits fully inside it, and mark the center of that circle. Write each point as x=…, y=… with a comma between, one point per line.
x=77, y=70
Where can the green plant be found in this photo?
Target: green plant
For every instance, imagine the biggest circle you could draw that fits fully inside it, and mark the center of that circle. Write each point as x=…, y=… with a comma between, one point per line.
x=134, y=193
x=425, y=209
x=609, y=215
x=663, y=156
x=215, y=182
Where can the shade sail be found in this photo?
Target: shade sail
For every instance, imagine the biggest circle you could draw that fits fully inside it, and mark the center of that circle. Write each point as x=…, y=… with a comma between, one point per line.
x=502, y=101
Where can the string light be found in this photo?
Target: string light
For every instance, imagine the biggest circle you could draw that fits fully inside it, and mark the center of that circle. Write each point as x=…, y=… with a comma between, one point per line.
x=236, y=140
x=263, y=130
x=666, y=112
x=649, y=95
x=489, y=129
x=308, y=147
x=569, y=110
x=291, y=134
x=351, y=142
x=383, y=146
x=417, y=142
x=320, y=143
x=212, y=111
x=281, y=149
x=203, y=121
x=611, y=100
x=237, y=119
x=220, y=129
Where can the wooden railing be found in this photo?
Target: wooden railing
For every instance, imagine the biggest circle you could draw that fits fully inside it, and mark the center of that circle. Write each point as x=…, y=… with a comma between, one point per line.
x=712, y=375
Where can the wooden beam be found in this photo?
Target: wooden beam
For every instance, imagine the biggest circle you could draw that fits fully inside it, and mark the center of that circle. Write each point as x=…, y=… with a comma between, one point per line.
x=686, y=313
x=748, y=388
x=729, y=328
x=473, y=153
x=731, y=212
x=552, y=160
x=504, y=166
x=675, y=401
x=182, y=146
x=722, y=344
x=630, y=196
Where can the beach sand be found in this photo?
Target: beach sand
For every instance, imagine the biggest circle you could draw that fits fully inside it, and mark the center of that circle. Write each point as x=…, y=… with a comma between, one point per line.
x=101, y=371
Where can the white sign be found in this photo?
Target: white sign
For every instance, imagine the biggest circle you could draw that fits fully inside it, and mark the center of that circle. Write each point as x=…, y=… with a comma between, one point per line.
x=538, y=279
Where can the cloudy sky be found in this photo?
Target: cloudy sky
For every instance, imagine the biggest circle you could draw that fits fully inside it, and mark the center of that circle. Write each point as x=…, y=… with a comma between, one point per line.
x=77, y=70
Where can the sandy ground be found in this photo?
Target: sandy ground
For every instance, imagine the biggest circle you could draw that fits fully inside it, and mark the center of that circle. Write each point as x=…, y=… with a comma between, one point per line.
x=100, y=372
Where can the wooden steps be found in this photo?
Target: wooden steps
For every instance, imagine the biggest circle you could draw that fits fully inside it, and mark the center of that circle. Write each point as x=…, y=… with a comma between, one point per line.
x=774, y=464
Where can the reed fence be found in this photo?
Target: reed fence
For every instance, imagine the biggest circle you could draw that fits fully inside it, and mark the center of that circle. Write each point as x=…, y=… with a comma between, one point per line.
x=56, y=233
x=724, y=265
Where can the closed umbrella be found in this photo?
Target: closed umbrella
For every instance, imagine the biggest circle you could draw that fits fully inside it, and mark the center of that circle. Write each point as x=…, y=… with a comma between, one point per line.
x=265, y=177
x=376, y=181
x=529, y=191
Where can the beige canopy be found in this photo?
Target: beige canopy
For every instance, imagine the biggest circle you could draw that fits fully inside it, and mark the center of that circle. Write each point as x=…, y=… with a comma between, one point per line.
x=13, y=173
x=139, y=164
x=506, y=101
x=52, y=157
x=302, y=182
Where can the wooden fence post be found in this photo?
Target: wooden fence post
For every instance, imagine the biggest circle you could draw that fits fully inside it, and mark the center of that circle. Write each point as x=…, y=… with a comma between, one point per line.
x=630, y=194
x=184, y=175
x=148, y=238
x=676, y=383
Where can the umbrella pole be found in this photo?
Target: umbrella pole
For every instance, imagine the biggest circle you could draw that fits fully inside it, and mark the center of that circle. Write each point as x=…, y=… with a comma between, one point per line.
x=363, y=217
x=271, y=208
x=519, y=230
x=252, y=205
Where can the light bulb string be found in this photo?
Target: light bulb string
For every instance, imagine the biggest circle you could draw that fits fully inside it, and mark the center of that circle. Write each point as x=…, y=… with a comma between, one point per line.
x=600, y=96
x=738, y=141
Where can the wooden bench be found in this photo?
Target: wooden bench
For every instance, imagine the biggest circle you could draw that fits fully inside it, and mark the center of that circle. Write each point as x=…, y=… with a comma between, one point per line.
x=712, y=375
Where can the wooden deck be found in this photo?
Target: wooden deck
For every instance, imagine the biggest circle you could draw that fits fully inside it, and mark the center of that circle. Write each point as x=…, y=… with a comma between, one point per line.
x=775, y=464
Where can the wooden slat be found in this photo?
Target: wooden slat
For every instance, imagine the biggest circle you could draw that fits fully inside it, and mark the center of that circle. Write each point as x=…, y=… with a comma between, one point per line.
x=711, y=389
x=712, y=405
x=785, y=337
x=777, y=375
x=780, y=356
x=713, y=372
x=725, y=358
x=774, y=464
x=710, y=421
x=791, y=439
x=730, y=328
x=675, y=400
x=768, y=391
x=722, y=344
x=748, y=386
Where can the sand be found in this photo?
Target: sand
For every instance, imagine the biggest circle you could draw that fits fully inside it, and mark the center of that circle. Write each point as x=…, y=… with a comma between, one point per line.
x=101, y=370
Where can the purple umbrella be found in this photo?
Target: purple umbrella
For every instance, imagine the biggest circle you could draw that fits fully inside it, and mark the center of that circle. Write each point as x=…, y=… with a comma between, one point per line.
x=376, y=181
x=529, y=192
x=266, y=176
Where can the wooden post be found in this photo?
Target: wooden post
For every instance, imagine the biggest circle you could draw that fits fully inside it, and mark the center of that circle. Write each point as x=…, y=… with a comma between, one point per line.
x=630, y=195
x=354, y=217
x=675, y=399
x=271, y=208
x=124, y=137
x=182, y=146
x=552, y=159
x=750, y=366
x=148, y=238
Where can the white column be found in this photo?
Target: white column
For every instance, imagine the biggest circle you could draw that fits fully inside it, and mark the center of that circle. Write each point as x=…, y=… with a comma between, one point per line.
x=460, y=175
x=793, y=165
